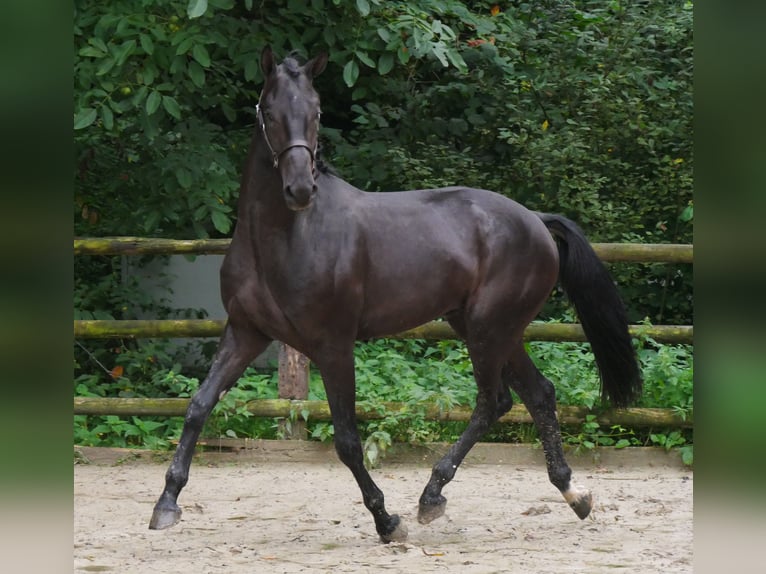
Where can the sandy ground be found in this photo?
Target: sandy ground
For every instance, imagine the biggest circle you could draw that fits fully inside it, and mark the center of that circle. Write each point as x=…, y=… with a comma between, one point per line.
x=308, y=517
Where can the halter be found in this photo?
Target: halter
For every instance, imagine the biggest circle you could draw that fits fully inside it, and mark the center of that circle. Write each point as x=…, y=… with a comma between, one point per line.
x=290, y=144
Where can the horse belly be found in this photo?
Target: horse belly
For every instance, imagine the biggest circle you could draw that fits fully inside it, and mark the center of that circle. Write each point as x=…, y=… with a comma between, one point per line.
x=412, y=291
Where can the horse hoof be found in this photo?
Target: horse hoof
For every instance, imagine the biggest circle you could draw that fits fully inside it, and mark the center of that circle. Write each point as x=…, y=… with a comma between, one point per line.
x=427, y=513
x=164, y=518
x=581, y=502
x=398, y=534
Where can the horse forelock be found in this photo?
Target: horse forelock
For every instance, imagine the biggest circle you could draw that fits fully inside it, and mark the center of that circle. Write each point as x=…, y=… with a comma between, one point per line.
x=292, y=64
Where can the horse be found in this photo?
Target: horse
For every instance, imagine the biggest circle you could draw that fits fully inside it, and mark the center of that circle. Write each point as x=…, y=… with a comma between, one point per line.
x=318, y=264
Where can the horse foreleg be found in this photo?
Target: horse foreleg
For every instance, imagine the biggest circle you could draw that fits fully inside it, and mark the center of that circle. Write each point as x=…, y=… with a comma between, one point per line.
x=235, y=352
x=338, y=377
x=539, y=397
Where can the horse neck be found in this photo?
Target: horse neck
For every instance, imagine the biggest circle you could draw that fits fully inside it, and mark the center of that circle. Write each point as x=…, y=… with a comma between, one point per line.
x=261, y=187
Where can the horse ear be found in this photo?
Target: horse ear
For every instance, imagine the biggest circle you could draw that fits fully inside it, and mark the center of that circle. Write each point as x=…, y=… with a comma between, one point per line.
x=317, y=64
x=267, y=61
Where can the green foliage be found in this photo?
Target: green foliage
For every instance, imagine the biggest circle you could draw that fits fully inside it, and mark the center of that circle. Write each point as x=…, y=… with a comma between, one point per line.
x=407, y=371
x=582, y=107
x=590, y=435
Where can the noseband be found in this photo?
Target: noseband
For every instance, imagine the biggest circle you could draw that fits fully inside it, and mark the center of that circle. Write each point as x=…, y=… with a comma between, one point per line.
x=290, y=144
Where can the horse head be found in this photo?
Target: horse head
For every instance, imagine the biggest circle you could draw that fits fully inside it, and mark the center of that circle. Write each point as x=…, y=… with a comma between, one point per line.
x=288, y=117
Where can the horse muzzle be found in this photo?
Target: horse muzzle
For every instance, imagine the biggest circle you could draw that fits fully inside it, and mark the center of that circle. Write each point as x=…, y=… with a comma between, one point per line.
x=299, y=198
x=297, y=170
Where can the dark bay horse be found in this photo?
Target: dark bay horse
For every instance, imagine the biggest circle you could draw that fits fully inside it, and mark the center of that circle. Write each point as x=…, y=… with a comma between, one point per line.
x=316, y=263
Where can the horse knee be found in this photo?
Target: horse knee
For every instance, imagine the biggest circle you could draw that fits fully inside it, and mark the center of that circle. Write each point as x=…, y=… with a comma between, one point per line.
x=348, y=446
x=197, y=412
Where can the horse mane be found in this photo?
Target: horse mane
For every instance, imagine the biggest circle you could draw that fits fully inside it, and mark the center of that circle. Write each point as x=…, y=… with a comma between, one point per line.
x=323, y=166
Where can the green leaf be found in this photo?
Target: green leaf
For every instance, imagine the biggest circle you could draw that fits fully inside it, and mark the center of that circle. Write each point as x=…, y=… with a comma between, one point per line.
x=91, y=52
x=385, y=63
x=153, y=102
x=457, y=60
x=146, y=43
x=363, y=6
x=107, y=117
x=252, y=70
x=228, y=111
x=125, y=50
x=199, y=53
x=687, y=455
x=184, y=177
x=221, y=222
x=99, y=44
x=439, y=52
x=171, y=106
x=152, y=221
x=351, y=73
x=84, y=118
x=197, y=74
x=365, y=59
x=106, y=65
x=184, y=46
x=196, y=8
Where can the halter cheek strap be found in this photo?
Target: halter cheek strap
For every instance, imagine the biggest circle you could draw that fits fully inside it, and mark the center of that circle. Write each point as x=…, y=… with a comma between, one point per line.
x=290, y=144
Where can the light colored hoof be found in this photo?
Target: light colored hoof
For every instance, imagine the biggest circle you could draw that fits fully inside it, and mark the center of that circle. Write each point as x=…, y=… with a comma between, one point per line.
x=580, y=500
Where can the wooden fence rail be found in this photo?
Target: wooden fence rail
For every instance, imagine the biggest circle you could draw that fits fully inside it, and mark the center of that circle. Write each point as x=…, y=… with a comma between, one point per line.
x=610, y=252
x=320, y=411
x=435, y=330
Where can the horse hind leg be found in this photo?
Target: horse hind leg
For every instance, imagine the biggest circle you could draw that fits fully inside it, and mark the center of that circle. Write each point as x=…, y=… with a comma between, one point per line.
x=539, y=397
x=487, y=364
x=456, y=320
x=235, y=352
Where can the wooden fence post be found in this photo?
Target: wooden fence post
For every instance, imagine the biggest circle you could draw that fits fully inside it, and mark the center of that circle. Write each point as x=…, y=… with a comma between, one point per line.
x=293, y=384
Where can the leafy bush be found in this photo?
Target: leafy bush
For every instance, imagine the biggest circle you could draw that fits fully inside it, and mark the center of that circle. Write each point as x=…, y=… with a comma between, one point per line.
x=583, y=108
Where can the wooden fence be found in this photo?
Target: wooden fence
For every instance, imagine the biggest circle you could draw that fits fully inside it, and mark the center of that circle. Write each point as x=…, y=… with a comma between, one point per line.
x=293, y=368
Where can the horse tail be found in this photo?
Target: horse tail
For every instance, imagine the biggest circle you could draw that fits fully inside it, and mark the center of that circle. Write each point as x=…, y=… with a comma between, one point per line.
x=600, y=309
